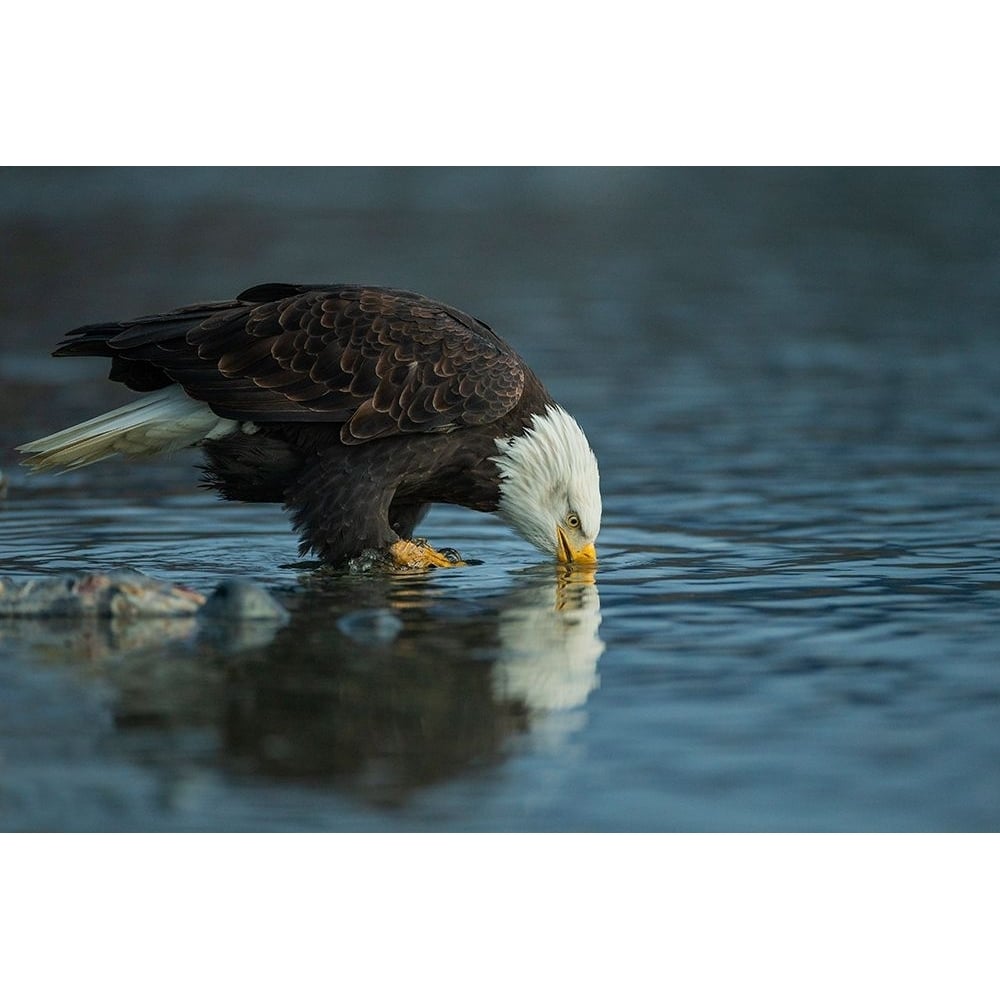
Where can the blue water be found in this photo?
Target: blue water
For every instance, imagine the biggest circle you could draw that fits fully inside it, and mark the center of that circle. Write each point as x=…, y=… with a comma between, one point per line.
x=792, y=382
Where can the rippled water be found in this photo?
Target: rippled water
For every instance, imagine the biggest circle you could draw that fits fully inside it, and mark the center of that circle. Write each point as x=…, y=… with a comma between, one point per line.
x=794, y=624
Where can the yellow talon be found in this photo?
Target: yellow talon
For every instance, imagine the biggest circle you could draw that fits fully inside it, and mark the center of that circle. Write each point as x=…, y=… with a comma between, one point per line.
x=409, y=554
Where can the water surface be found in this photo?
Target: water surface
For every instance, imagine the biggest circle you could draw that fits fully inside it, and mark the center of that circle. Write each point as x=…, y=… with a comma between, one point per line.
x=792, y=382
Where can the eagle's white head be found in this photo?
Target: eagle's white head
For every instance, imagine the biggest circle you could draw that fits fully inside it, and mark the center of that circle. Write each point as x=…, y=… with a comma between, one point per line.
x=550, y=488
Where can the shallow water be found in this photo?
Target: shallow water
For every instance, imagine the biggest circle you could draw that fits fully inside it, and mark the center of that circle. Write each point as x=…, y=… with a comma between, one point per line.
x=794, y=623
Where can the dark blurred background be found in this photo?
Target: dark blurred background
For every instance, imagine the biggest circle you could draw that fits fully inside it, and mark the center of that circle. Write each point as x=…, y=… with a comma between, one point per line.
x=594, y=274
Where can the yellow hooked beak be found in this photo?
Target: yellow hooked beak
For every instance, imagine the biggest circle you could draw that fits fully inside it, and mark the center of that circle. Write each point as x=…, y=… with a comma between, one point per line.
x=567, y=554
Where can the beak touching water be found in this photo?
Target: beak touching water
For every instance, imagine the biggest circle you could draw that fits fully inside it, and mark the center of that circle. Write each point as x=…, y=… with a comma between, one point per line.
x=567, y=554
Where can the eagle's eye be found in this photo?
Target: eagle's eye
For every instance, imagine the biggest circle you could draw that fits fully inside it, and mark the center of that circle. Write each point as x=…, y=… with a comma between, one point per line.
x=573, y=520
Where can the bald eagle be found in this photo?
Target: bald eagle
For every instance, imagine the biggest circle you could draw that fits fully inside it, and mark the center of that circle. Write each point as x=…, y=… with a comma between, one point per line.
x=355, y=407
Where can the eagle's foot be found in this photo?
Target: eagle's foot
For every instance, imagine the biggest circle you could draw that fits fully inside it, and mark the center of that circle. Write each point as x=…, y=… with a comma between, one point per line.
x=415, y=553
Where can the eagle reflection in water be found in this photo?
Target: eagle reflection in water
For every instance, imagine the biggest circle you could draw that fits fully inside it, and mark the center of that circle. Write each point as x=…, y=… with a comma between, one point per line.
x=452, y=686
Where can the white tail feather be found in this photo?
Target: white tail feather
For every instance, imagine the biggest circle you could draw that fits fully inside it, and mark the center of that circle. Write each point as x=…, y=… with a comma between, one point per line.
x=158, y=422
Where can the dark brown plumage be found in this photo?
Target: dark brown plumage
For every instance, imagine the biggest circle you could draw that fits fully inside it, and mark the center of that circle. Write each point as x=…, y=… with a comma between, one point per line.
x=359, y=406
x=376, y=361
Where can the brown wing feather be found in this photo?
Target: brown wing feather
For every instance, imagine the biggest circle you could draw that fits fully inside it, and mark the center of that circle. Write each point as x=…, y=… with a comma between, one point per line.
x=378, y=361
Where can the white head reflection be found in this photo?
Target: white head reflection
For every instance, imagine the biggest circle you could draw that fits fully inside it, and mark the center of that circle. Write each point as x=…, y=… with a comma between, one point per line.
x=549, y=650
